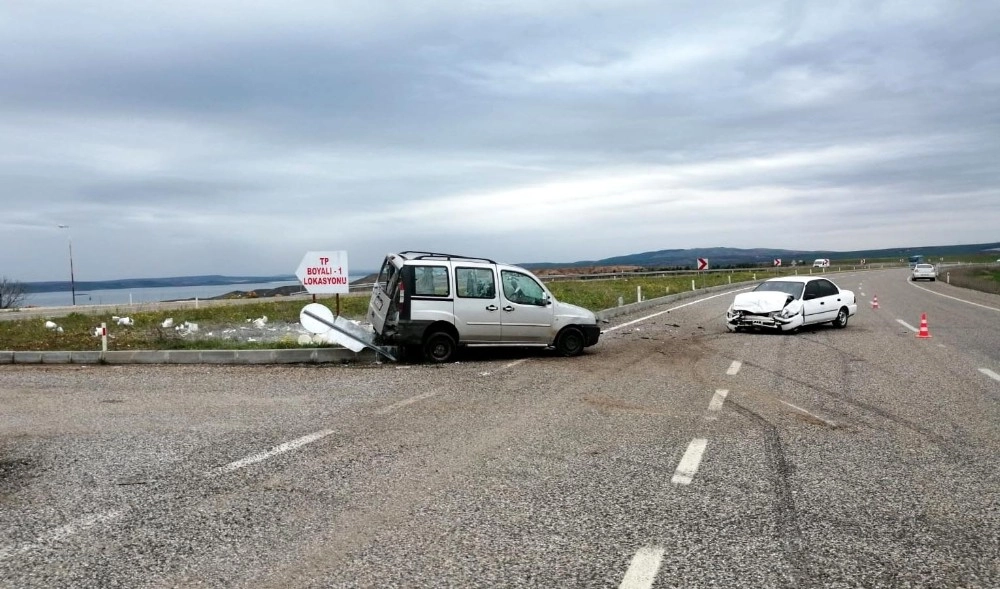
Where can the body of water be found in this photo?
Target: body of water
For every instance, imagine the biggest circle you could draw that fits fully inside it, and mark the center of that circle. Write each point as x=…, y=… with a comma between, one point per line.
x=127, y=296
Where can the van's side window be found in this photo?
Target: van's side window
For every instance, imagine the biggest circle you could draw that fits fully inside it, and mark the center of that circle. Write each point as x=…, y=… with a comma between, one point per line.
x=475, y=283
x=430, y=281
x=521, y=288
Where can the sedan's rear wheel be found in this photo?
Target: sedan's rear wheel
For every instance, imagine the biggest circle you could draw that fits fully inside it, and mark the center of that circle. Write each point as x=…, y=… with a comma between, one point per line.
x=842, y=316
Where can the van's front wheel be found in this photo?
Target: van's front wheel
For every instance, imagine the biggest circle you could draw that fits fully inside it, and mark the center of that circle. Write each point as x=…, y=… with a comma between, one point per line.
x=570, y=342
x=439, y=347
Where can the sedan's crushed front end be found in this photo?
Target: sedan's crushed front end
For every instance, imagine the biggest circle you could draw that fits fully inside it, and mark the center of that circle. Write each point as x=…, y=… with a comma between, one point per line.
x=765, y=309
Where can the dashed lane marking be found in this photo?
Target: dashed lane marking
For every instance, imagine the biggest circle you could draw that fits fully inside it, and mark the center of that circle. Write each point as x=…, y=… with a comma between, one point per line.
x=642, y=572
x=718, y=399
x=58, y=534
x=279, y=449
x=690, y=462
x=734, y=368
x=809, y=413
x=516, y=363
x=907, y=325
x=990, y=374
x=390, y=408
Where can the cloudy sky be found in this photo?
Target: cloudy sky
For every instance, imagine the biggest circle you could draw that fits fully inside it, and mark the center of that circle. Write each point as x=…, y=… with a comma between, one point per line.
x=232, y=136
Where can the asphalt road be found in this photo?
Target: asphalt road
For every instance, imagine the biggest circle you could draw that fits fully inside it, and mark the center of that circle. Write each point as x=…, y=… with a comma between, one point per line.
x=672, y=454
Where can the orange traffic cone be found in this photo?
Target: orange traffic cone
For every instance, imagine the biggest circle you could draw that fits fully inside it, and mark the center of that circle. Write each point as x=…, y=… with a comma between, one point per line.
x=924, y=332
x=875, y=302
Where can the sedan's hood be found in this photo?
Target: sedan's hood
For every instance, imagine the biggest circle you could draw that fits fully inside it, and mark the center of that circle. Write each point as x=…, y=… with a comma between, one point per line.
x=761, y=302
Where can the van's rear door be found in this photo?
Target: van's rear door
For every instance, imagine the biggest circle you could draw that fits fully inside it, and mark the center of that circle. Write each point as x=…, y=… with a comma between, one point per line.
x=386, y=286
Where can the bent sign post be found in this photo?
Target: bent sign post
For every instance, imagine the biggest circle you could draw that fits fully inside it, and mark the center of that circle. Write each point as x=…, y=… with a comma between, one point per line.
x=324, y=273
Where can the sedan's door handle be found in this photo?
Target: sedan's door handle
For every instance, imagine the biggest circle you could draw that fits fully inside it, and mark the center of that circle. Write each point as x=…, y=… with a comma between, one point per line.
x=509, y=308
x=492, y=308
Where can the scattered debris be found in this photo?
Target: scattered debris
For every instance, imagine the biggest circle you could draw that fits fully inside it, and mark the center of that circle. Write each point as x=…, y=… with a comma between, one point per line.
x=168, y=322
x=50, y=325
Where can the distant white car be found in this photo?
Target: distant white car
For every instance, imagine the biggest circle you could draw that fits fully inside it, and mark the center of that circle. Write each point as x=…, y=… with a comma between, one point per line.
x=789, y=302
x=924, y=272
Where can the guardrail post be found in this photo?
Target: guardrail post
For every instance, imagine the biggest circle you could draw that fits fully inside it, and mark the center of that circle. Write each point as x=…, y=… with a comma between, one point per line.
x=638, y=294
x=692, y=285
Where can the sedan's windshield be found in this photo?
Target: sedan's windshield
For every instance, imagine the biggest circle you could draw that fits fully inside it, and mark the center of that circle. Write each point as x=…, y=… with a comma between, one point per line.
x=792, y=288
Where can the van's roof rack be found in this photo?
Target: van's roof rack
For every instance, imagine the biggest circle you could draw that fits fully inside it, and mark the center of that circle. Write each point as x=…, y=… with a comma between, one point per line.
x=412, y=255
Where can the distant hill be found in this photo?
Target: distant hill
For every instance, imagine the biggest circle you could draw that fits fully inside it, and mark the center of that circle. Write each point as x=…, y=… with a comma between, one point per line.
x=732, y=257
x=173, y=281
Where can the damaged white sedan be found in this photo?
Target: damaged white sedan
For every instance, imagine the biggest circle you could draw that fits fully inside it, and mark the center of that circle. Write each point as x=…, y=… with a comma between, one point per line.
x=789, y=302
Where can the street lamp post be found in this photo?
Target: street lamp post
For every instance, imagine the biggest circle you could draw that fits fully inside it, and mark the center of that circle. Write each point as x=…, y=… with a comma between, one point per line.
x=72, y=281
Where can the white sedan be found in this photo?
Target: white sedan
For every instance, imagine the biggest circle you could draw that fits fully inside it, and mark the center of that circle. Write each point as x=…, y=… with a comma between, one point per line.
x=924, y=272
x=789, y=302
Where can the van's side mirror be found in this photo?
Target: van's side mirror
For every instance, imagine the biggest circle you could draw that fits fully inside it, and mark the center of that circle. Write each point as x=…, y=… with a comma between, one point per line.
x=546, y=300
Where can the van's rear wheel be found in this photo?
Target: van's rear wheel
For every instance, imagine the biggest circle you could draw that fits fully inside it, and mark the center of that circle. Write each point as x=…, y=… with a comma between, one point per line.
x=570, y=342
x=439, y=347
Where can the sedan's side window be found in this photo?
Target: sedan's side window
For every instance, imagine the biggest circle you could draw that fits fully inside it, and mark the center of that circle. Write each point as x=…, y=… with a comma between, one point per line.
x=812, y=290
x=827, y=288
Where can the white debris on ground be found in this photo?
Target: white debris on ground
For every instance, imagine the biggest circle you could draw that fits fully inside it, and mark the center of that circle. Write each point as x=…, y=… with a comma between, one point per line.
x=256, y=330
x=50, y=325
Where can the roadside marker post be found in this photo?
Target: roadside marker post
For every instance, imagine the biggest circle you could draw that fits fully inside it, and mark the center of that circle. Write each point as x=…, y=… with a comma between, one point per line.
x=104, y=339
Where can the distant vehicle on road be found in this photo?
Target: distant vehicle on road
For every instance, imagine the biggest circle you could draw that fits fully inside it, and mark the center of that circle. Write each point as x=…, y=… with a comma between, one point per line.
x=924, y=272
x=432, y=303
x=789, y=302
x=914, y=260
x=821, y=263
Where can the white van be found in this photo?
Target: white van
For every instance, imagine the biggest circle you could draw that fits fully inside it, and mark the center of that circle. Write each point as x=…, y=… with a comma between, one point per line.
x=821, y=263
x=433, y=303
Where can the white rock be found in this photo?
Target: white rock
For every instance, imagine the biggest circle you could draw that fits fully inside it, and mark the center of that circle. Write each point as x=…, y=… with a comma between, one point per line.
x=50, y=325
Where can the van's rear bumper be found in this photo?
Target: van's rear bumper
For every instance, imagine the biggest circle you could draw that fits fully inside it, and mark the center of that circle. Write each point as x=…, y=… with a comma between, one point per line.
x=591, y=334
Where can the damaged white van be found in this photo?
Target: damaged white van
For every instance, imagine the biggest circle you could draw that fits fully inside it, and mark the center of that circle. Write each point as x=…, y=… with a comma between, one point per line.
x=433, y=303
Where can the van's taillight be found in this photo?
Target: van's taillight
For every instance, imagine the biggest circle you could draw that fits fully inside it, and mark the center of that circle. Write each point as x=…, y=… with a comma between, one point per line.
x=402, y=297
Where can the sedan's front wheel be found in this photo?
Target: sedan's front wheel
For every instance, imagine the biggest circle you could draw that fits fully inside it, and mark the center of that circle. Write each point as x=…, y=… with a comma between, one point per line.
x=842, y=316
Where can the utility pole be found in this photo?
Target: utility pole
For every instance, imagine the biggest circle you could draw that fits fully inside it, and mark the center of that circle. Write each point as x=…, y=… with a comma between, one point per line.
x=72, y=280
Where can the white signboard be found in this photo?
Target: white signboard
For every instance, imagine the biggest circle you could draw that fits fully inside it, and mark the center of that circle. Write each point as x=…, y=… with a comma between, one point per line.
x=324, y=273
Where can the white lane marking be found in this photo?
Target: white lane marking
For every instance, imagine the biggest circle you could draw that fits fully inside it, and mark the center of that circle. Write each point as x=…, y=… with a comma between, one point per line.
x=642, y=572
x=953, y=298
x=907, y=325
x=734, y=368
x=801, y=410
x=405, y=402
x=647, y=317
x=718, y=399
x=279, y=449
x=690, y=462
x=59, y=533
x=516, y=363
x=990, y=374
